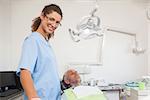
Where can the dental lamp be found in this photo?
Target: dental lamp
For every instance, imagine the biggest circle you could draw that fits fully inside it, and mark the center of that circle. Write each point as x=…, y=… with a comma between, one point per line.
x=89, y=27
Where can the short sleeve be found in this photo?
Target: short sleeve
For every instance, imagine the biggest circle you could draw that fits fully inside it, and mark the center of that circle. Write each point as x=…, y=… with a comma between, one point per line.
x=28, y=55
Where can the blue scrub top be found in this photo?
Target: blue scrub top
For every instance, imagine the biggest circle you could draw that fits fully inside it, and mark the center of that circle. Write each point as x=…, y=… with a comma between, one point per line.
x=38, y=57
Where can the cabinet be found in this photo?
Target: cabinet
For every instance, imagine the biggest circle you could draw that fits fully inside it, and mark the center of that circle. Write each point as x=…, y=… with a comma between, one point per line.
x=112, y=92
x=136, y=94
x=111, y=95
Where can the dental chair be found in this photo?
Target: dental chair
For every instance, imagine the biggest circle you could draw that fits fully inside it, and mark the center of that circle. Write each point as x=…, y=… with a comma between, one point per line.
x=83, y=93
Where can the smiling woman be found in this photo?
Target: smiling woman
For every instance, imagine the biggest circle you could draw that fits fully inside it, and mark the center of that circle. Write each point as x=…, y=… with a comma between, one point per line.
x=52, y=19
x=38, y=68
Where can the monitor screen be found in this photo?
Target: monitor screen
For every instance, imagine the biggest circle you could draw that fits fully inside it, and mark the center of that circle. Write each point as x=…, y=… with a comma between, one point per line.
x=7, y=78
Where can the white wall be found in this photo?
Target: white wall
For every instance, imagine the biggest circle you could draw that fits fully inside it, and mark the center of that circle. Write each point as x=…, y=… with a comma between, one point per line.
x=5, y=36
x=148, y=7
x=120, y=64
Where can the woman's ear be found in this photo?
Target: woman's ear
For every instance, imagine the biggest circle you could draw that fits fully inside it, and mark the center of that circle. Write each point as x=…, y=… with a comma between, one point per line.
x=42, y=16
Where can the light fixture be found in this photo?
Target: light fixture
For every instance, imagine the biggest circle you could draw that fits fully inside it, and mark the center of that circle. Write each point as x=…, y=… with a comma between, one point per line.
x=89, y=27
x=136, y=49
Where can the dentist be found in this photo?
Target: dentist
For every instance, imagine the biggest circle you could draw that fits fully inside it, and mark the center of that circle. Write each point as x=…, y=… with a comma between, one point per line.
x=37, y=67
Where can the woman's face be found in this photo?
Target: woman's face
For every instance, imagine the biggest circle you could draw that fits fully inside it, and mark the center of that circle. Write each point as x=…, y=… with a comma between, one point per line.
x=50, y=22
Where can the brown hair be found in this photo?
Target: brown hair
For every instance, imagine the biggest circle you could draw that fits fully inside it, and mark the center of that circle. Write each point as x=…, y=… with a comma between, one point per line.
x=46, y=10
x=35, y=24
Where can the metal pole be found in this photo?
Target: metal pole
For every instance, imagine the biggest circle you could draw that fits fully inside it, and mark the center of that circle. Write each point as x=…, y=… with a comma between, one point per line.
x=118, y=31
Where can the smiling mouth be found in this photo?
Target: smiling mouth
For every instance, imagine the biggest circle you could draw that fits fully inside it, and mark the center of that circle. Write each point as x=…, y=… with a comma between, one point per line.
x=50, y=27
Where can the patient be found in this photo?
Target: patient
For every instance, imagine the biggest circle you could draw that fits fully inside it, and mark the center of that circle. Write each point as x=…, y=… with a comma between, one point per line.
x=70, y=79
x=72, y=90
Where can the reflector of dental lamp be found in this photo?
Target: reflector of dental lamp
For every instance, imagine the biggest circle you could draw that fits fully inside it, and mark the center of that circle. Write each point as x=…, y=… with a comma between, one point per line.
x=89, y=27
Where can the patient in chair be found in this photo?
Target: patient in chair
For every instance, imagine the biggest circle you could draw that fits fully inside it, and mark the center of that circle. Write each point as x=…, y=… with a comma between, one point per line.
x=70, y=79
x=73, y=90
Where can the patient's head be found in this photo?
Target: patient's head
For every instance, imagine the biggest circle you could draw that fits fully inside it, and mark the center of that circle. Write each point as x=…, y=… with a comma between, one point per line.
x=71, y=77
